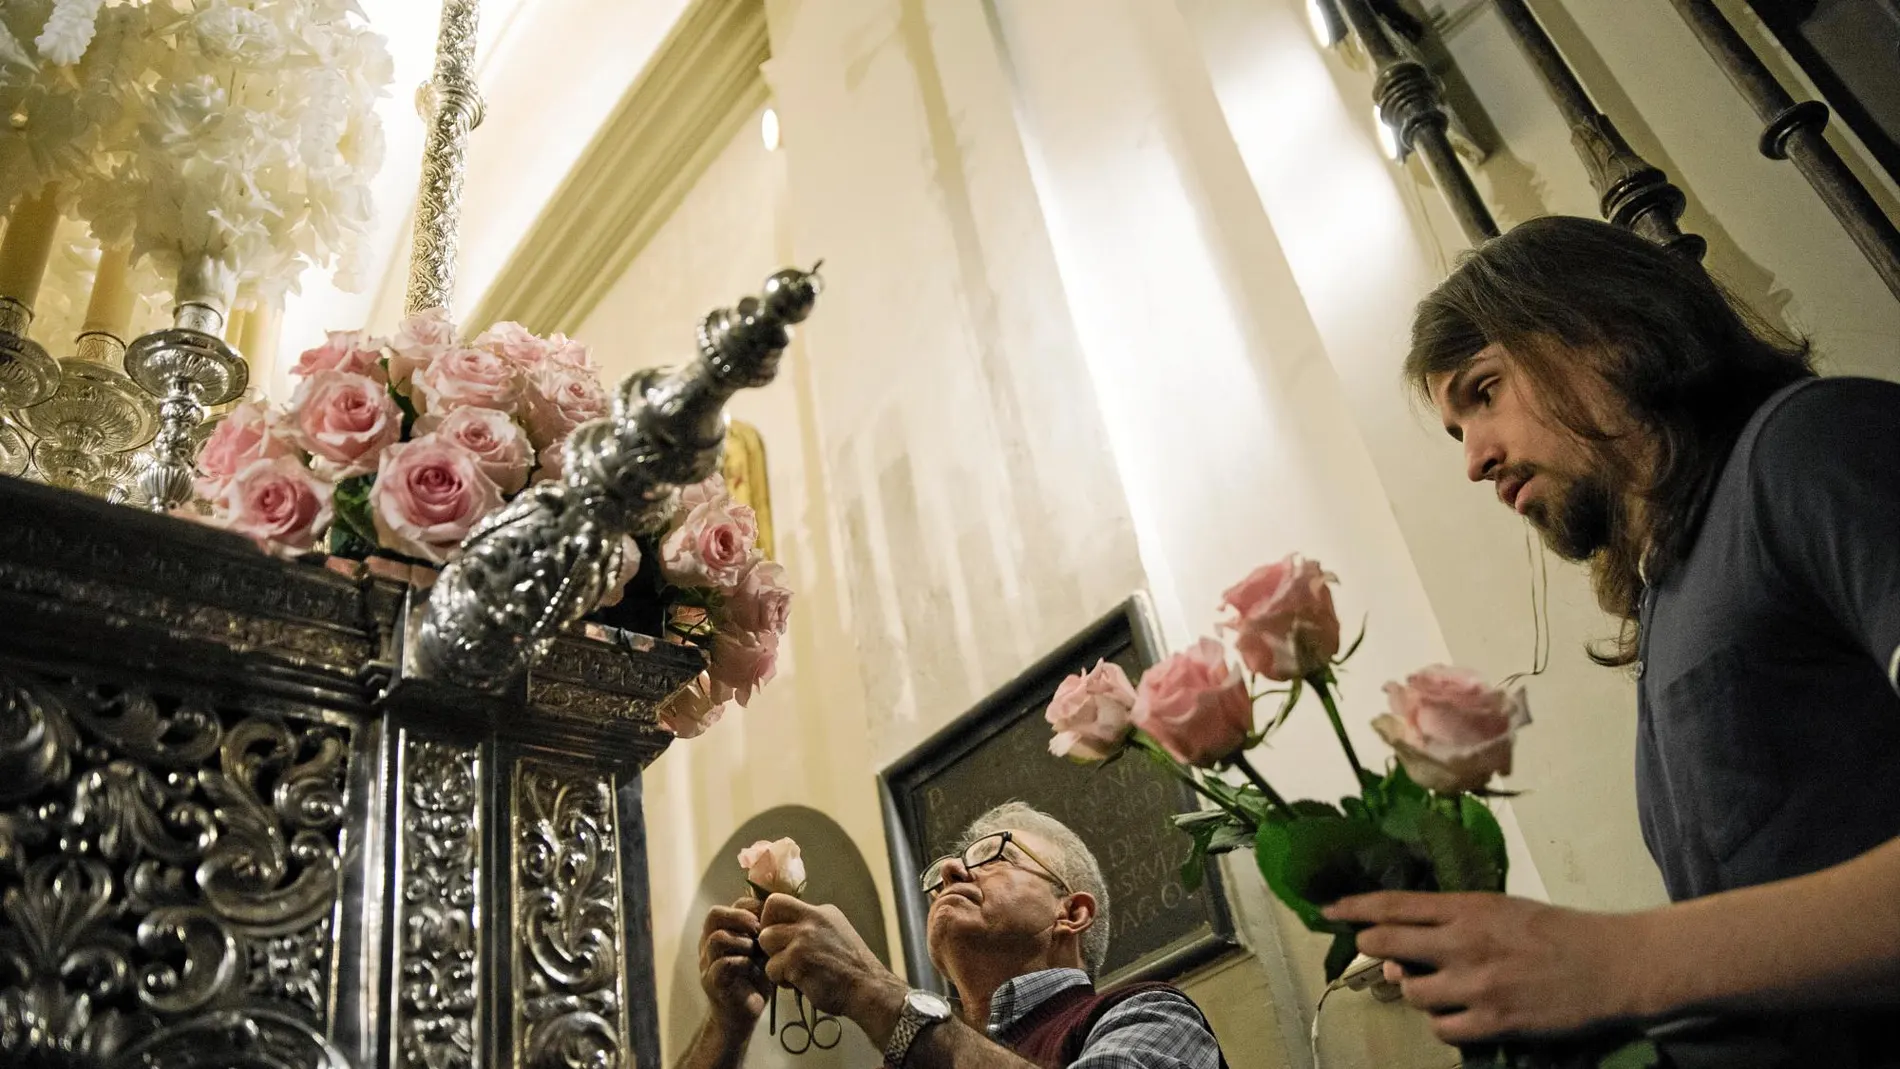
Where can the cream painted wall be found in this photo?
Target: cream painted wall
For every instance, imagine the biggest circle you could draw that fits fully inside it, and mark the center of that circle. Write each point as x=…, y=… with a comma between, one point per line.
x=1123, y=308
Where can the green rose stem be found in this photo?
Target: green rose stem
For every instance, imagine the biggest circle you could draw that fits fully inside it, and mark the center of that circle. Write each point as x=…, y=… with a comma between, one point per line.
x=1253, y=774
x=1154, y=750
x=1318, y=682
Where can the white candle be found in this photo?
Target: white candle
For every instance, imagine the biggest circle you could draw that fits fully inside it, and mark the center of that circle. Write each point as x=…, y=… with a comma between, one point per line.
x=28, y=246
x=110, y=310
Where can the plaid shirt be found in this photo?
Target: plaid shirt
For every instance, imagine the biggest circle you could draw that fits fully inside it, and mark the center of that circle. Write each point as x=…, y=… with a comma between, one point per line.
x=1151, y=1030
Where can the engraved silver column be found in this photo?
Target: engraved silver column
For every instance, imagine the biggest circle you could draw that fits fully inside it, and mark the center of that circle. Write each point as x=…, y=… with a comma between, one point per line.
x=190, y=367
x=542, y=562
x=438, y=906
x=28, y=374
x=452, y=107
x=570, y=985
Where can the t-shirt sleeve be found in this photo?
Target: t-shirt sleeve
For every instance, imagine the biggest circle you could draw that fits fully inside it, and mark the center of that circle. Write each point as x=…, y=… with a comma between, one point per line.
x=1151, y=1030
x=1825, y=477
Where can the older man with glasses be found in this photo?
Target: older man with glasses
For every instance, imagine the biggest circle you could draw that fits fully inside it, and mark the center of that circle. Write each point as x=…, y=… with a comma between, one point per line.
x=1018, y=921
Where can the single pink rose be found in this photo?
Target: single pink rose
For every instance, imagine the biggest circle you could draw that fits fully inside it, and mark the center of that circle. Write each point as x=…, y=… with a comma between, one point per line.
x=629, y=567
x=343, y=350
x=419, y=340
x=466, y=376
x=278, y=502
x=1282, y=618
x=690, y=712
x=248, y=432
x=774, y=867
x=428, y=494
x=713, y=546
x=498, y=442
x=1452, y=730
x=552, y=462
x=561, y=349
x=344, y=421
x=561, y=398
x=1195, y=705
x=761, y=601
x=513, y=343
x=1090, y=714
x=743, y=662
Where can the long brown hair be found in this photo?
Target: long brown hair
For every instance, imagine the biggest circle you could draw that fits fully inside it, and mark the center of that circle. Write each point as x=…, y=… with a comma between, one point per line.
x=1565, y=295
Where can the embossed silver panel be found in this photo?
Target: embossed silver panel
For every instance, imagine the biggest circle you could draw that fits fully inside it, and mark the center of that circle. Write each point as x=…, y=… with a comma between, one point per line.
x=438, y=905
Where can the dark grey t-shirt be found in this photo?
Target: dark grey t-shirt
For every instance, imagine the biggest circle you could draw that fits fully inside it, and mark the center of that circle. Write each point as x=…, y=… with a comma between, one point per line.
x=1769, y=739
x=1768, y=743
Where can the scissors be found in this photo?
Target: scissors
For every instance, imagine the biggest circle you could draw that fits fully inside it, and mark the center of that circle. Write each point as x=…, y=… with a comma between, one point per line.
x=801, y=1035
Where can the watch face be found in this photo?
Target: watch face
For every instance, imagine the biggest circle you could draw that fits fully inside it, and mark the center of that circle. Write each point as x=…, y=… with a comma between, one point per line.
x=929, y=1004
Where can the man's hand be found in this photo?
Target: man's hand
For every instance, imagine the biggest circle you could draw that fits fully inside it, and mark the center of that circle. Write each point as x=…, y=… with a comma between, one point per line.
x=1501, y=966
x=728, y=969
x=815, y=949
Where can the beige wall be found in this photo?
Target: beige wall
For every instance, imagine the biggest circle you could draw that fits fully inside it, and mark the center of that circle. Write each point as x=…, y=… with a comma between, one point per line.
x=1117, y=293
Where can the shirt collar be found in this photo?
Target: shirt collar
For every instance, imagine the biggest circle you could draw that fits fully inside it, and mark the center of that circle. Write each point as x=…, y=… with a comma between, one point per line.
x=1020, y=995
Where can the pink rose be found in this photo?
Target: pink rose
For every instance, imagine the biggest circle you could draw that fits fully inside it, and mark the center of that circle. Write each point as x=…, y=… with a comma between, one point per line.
x=561, y=398
x=1451, y=729
x=712, y=547
x=742, y=663
x=428, y=494
x=499, y=445
x=1194, y=705
x=774, y=867
x=248, y=432
x=690, y=712
x=277, y=501
x=761, y=601
x=465, y=376
x=561, y=349
x=419, y=339
x=1282, y=617
x=629, y=567
x=552, y=462
x=343, y=350
x=712, y=488
x=1090, y=714
x=344, y=421
x=513, y=343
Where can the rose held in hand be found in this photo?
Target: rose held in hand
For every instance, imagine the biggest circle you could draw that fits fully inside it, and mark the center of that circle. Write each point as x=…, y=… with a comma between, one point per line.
x=1090, y=714
x=1452, y=730
x=774, y=867
x=1195, y=705
x=1282, y=618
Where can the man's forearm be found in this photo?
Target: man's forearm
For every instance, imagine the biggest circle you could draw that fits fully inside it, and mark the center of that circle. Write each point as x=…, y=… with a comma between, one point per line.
x=714, y=1047
x=1828, y=938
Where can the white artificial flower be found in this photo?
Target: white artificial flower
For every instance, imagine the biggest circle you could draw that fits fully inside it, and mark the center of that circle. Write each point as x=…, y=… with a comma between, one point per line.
x=68, y=31
x=11, y=51
x=238, y=35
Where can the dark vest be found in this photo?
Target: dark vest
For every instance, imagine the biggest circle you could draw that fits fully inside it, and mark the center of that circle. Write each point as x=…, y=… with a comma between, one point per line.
x=1052, y=1034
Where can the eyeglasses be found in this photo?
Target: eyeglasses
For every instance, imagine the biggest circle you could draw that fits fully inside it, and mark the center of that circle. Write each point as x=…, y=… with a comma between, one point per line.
x=985, y=851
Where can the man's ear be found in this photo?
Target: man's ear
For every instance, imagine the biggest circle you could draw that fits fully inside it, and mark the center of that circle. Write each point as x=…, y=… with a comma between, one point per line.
x=1078, y=913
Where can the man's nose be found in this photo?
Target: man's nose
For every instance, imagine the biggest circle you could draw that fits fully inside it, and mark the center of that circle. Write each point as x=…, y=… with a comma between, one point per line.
x=1483, y=456
x=955, y=870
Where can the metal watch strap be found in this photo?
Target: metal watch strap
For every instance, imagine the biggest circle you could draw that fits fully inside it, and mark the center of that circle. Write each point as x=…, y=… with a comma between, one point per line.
x=911, y=1023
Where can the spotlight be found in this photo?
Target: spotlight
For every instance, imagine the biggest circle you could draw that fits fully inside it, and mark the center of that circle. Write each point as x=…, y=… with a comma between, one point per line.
x=1388, y=137
x=1328, y=28
x=768, y=129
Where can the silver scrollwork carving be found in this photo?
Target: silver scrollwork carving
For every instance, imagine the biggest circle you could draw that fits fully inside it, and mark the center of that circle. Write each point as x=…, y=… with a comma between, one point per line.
x=439, y=909
x=164, y=858
x=570, y=979
x=536, y=566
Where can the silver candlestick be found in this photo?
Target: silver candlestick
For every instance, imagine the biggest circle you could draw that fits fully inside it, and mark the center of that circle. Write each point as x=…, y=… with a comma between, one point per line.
x=28, y=375
x=540, y=564
x=190, y=367
x=96, y=411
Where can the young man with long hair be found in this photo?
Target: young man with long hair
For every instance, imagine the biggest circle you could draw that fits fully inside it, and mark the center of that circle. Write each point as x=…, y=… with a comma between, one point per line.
x=1741, y=517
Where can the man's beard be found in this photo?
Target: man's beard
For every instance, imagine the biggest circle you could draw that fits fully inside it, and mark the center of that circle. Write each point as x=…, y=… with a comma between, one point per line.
x=1579, y=519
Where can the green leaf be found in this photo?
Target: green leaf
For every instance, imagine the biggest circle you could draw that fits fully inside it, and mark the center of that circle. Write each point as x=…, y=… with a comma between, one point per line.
x=1229, y=837
x=1482, y=825
x=408, y=408
x=1193, y=869
x=353, y=508
x=1313, y=861
x=1636, y=1054
x=1354, y=648
x=1459, y=861
x=1345, y=948
x=345, y=543
x=1307, y=807
x=1192, y=821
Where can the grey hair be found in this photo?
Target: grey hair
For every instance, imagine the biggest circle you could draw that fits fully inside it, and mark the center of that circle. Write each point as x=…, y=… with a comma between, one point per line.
x=1074, y=862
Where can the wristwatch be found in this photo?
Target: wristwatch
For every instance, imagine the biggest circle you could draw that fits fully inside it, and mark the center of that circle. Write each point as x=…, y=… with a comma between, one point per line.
x=921, y=1010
